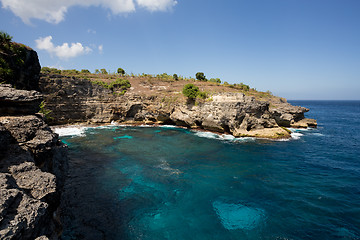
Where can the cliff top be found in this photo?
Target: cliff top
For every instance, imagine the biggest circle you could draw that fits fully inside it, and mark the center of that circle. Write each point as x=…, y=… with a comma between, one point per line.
x=167, y=87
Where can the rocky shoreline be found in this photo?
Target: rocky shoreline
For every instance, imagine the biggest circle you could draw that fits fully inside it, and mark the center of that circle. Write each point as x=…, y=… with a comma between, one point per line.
x=34, y=161
x=74, y=100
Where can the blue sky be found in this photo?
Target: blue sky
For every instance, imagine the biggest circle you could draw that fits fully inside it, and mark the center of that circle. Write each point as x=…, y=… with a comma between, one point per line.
x=297, y=49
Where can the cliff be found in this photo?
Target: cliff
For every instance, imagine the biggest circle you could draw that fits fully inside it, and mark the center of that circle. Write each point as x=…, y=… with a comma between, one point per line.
x=33, y=165
x=72, y=99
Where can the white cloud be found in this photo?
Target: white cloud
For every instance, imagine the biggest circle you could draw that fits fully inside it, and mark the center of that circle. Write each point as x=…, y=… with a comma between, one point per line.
x=54, y=11
x=101, y=48
x=157, y=5
x=63, y=51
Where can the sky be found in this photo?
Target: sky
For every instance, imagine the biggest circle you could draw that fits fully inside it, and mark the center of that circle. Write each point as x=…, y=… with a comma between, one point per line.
x=297, y=49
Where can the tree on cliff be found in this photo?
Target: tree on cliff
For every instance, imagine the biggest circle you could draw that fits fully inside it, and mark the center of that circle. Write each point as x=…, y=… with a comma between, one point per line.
x=120, y=71
x=200, y=76
x=190, y=90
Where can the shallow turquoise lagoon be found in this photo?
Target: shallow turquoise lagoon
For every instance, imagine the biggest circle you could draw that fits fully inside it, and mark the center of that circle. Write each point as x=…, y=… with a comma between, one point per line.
x=171, y=183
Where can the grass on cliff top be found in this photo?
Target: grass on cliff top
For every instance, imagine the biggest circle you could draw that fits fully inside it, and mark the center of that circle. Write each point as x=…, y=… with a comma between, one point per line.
x=164, y=85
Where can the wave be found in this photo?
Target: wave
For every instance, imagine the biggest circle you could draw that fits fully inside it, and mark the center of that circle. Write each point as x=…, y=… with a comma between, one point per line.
x=223, y=137
x=296, y=135
x=70, y=131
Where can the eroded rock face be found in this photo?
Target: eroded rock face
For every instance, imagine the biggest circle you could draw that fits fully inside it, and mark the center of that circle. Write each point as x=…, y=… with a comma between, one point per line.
x=78, y=100
x=33, y=165
x=18, y=102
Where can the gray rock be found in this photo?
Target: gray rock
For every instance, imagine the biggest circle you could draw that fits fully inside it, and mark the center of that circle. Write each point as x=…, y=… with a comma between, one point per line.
x=18, y=102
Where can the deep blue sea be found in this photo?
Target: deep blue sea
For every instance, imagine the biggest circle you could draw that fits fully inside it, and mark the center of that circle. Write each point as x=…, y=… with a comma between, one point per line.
x=171, y=183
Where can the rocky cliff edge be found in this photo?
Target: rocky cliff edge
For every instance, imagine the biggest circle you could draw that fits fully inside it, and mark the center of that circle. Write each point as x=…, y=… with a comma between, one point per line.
x=33, y=165
x=73, y=100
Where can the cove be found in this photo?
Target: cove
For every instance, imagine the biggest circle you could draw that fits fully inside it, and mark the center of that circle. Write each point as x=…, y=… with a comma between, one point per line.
x=172, y=183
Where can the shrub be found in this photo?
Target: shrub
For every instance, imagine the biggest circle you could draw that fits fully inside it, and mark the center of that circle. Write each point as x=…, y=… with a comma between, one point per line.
x=175, y=77
x=202, y=95
x=50, y=70
x=190, y=90
x=70, y=72
x=121, y=71
x=200, y=76
x=103, y=71
x=45, y=111
x=97, y=71
x=85, y=71
x=215, y=80
x=118, y=84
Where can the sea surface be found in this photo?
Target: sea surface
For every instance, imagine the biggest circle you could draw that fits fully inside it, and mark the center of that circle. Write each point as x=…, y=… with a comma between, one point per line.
x=171, y=183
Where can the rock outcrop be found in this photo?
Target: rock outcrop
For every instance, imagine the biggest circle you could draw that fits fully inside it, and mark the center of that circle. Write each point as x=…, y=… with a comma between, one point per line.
x=21, y=66
x=74, y=100
x=33, y=164
x=18, y=102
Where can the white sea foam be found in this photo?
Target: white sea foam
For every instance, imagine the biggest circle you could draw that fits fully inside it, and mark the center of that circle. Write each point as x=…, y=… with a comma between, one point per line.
x=70, y=131
x=223, y=137
x=296, y=135
x=207, y=135
x=168, y=126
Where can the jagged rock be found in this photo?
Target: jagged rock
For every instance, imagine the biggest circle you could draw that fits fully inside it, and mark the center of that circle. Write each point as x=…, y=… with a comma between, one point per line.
x=287, y=115
x=33, y=165
x=18, y=102
x=28, y=176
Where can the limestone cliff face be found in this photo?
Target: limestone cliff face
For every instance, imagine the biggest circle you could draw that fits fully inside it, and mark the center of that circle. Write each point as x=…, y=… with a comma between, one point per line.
x=33, y=165
x=78, y=100
x=21, y=65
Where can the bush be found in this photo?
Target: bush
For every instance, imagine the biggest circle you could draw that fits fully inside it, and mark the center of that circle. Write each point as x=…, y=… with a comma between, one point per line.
x=202, y=95
x=121, y=71
x=50, y=70
x=103, y=71
x=200, y=76
x=70, y=72
x=175, y=77
x=85, y=71
x=190, y=90
x=215, y=80
x=118, y=84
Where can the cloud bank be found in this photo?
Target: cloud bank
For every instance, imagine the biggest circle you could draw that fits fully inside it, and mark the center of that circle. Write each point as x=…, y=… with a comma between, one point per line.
x=64, y=51
x=54, y=11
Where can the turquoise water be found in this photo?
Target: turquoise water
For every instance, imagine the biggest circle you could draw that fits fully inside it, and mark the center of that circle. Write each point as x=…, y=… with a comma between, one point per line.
x=171, y=183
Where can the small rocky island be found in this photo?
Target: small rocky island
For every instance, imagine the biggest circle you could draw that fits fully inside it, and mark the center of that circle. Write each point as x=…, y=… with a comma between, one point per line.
x=33, y=161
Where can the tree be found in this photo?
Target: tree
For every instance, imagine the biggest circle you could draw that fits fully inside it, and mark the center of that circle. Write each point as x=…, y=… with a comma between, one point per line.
x=175, y=77
x=200, y=76
x=103, y=71
x=97, y=71
x=120, y=71
x=190, y=90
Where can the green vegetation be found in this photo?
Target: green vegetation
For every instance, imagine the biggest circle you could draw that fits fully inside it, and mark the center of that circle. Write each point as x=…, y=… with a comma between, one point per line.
x=202, y=95
x=85, y=71
x=215, y=80
x=48, y=70
x=45, y=111
x=190, y=90
x=175, y=77
x=200, y=76
x=115, y=86
x=70, y=72
x=121, y=71
x=12, y=57
x=103, y=71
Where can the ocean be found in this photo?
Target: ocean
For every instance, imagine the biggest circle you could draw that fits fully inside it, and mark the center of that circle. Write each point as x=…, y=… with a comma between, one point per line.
x=171, y=183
